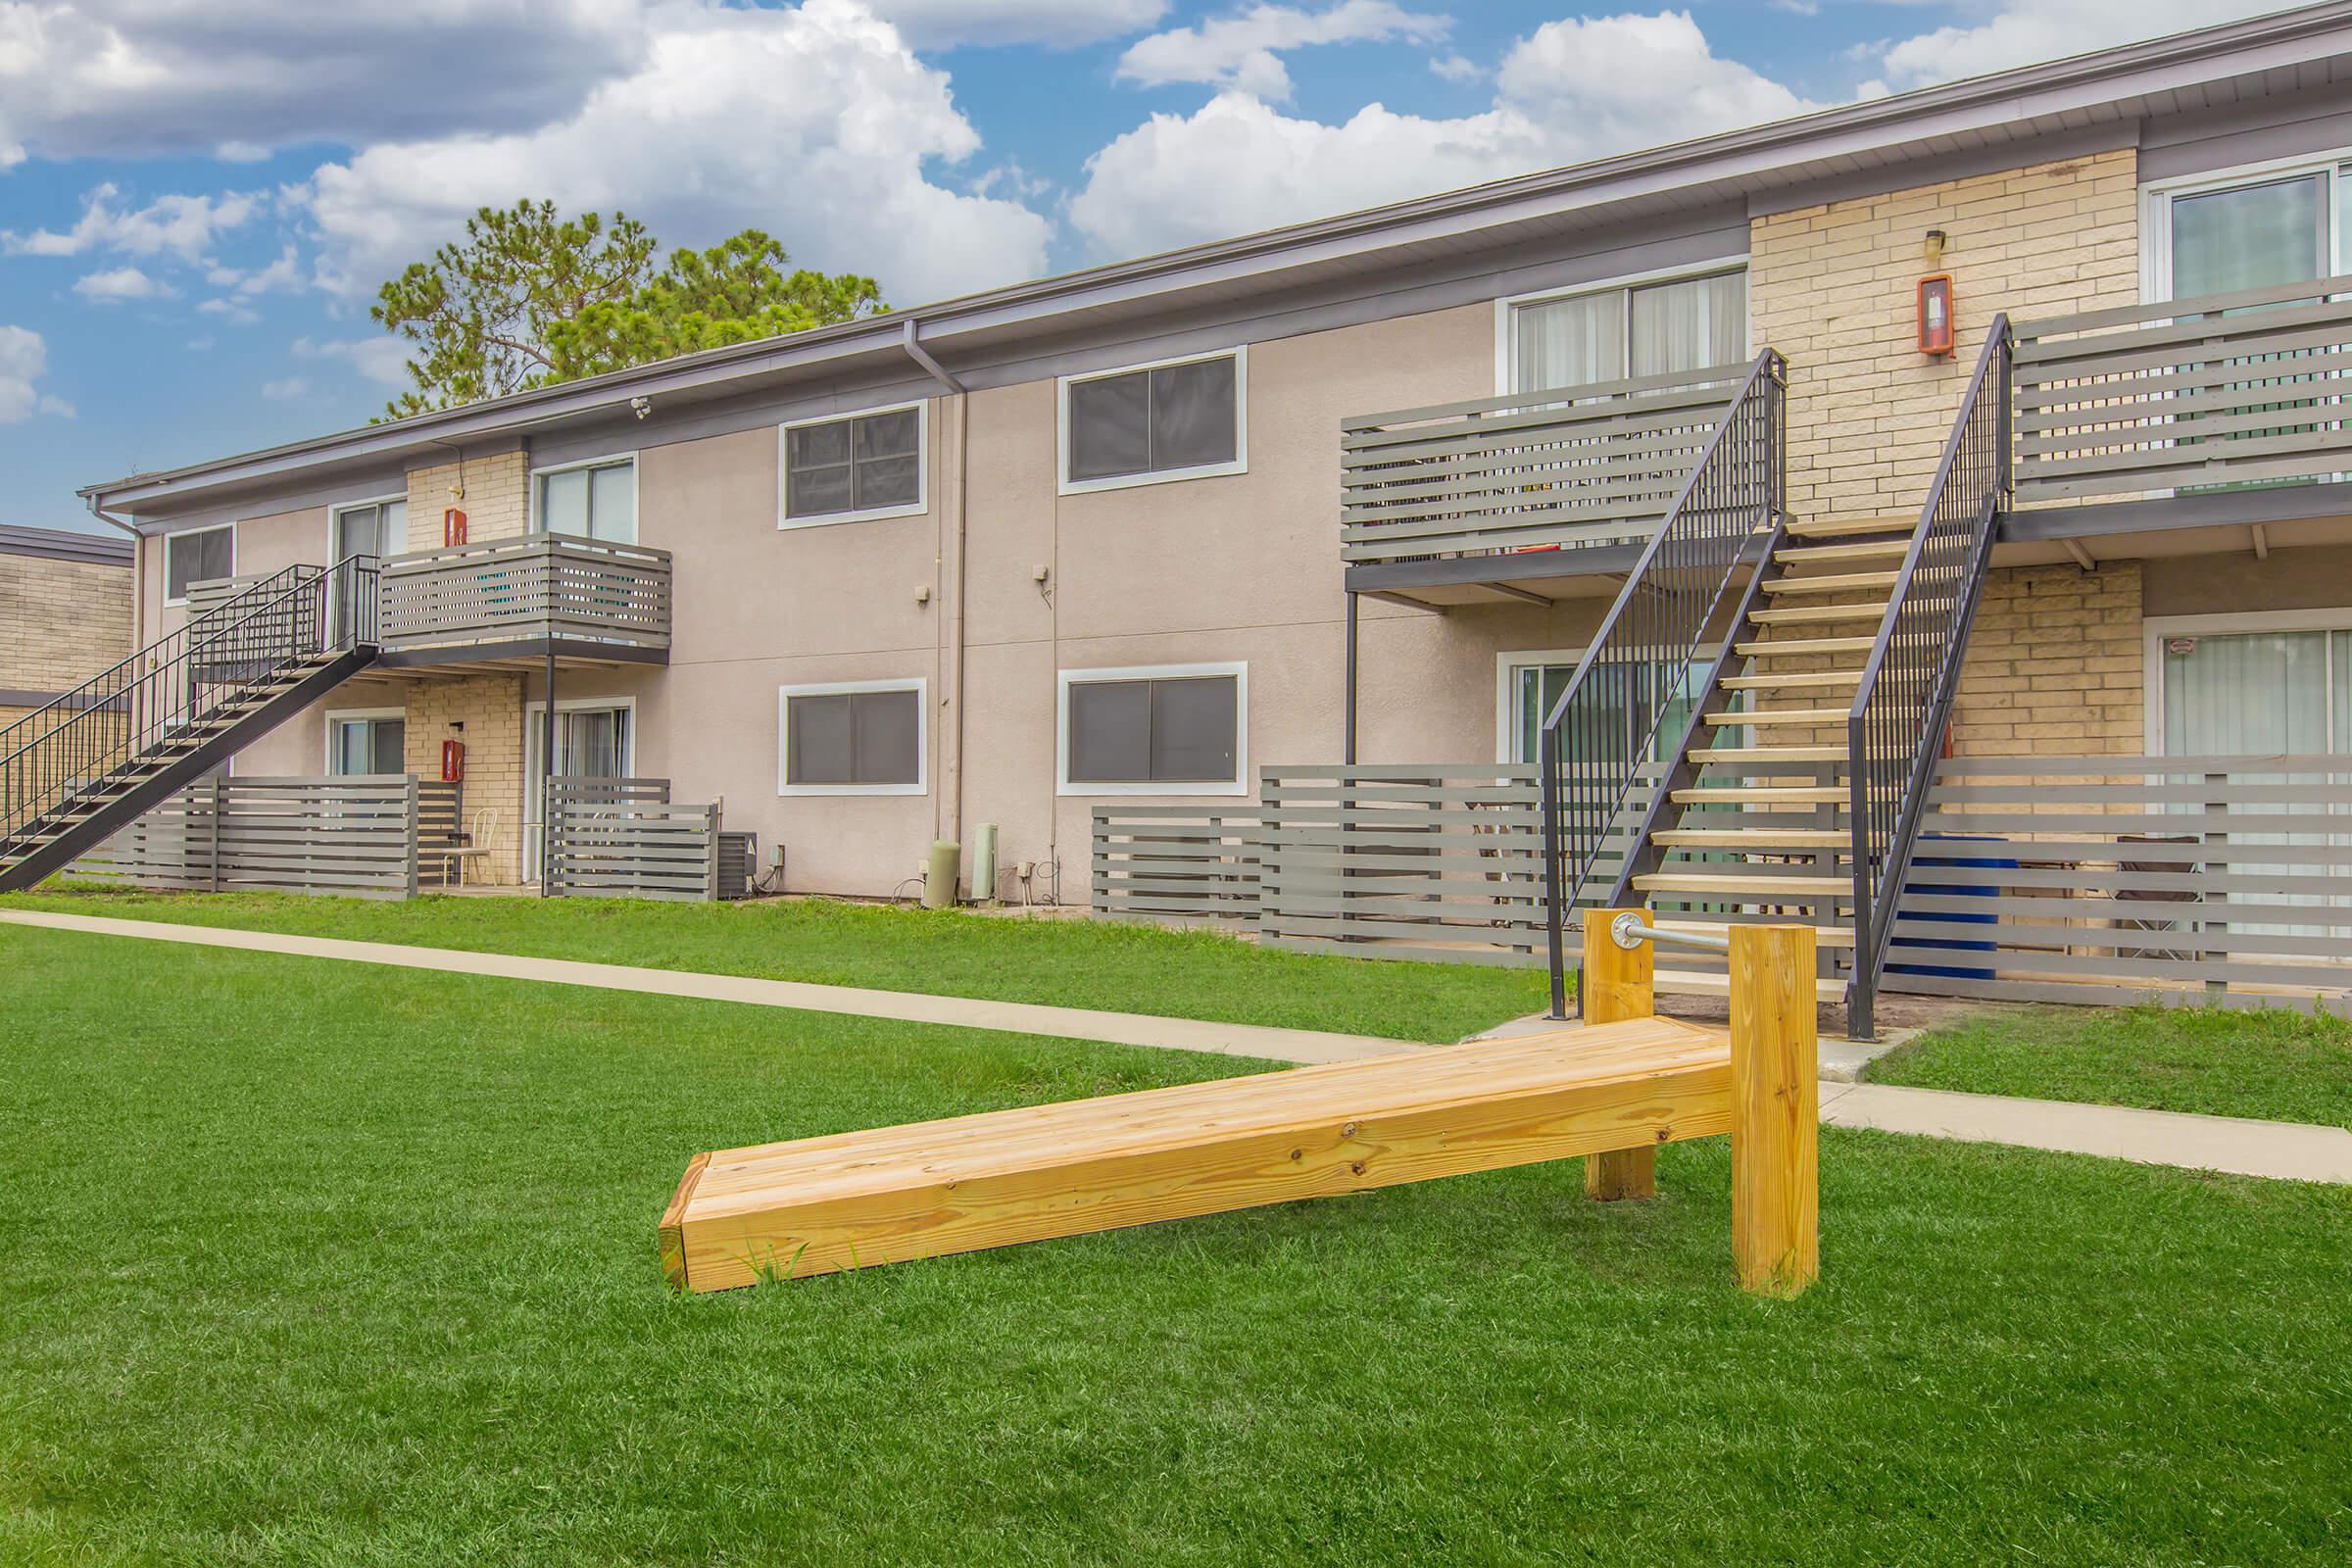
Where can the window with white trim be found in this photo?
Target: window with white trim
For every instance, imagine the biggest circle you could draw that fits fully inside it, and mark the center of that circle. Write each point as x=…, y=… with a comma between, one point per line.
x=851, y=738
x=846, y=471
x=198, y=555
x=1610, y=333
x=593, y=499
x=367, y=742
x=1181, y=419
x=375, y=528
x=2285, y=223
x=1174, y=730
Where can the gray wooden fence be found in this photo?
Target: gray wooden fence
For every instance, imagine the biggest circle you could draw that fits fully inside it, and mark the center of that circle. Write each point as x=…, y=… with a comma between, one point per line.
x=2224, y=880
x=624, y=838
x=355, y=836
x=1188, y=864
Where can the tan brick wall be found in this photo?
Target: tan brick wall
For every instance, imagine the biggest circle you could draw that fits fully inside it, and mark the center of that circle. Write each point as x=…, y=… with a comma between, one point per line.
x=495, y=503
x=1834, y=287
x=2055, y=659
x=61, y=622
x=2056, y=665
x=490, y=706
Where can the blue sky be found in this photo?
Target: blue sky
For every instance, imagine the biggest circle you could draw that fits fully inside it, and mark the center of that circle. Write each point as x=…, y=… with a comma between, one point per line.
x=199, y=197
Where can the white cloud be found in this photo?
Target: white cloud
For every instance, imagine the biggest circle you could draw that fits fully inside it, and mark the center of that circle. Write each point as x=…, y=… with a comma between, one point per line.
x=293, y=387
x=381, y=359
x=1055, y=24
x=24, y=359
x=1454, y=67
x=2021, y=31
x=180, y=225
x=1573, y=90
x=233, y=311
x=119, y=284
x=127, y=78
x=1244, y=51
x=815, y=125
x=282, y=275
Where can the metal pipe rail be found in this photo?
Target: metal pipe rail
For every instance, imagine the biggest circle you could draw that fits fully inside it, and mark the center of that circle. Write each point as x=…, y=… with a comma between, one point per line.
x=1628, y=931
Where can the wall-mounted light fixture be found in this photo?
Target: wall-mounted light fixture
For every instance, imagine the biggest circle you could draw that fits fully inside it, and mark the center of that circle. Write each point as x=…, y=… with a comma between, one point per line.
x=1935, y=301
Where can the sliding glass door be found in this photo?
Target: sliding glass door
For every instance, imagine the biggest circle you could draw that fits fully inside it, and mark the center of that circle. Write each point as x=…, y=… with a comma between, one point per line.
x=593, y=740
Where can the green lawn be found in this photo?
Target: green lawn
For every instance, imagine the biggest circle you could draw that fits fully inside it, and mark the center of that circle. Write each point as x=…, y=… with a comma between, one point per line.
x=1076, y=963
x=2275, y=1064
x=321, y=1263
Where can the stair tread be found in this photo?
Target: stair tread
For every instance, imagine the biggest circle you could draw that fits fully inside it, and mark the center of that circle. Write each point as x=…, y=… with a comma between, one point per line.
x=1703, y=983
x=1831, y=582
x=1818, y=615
x=1758, y=838
x=1818, y=527
x=1804, y=647
x=1764, y=717
x=1888, y=548
x=1769, y=754
x=1768, y=887
x=1793, y=679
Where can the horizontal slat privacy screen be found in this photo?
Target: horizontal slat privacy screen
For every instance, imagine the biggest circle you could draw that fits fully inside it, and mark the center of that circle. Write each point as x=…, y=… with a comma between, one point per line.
x=2229, y=388
x=622, y=837
x=2104, y=879
x=1538, y=470
x=540, y=585
x=355, y=836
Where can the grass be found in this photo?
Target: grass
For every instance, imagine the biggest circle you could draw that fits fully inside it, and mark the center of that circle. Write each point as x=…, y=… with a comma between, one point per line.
x=2274, y=1064
x=316, y=1263
x=1076, y=963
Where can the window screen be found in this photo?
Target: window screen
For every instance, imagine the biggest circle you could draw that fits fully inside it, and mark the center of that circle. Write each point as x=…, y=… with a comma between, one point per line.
x=1153, y=421
x=1176, y=730
x=854, y=738
x=376, y=530
x=593, y=503
x=192, y=558
x=861, y=464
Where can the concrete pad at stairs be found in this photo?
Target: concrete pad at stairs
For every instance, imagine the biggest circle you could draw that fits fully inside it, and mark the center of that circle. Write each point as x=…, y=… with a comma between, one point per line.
x=2280, y=1151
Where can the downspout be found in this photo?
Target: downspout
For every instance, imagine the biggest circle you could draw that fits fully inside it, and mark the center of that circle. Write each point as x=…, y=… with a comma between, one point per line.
x=952, y=732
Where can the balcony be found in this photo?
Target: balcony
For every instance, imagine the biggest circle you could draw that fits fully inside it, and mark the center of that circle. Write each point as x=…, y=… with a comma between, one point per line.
x=1515, y=497
x=2227, y=409
x=505, y=600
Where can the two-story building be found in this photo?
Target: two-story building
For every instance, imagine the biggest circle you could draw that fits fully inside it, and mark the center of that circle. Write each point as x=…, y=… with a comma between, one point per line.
x=1367, y=487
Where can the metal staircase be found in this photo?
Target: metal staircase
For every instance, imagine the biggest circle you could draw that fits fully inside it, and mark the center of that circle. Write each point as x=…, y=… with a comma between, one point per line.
x=74, y=772
x=1793, y=786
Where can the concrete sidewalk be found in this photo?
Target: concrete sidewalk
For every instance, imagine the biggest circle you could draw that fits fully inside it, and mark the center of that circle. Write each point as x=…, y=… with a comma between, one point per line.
x=2286, y=1150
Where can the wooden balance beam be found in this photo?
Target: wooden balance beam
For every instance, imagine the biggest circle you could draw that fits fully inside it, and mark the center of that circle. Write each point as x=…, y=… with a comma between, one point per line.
x=1612, y=1090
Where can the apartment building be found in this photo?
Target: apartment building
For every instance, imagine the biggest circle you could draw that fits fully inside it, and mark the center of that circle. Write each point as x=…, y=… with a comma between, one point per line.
x=1367, y=489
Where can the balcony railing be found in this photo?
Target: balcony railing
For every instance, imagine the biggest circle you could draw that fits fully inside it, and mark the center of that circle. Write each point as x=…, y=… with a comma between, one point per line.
x=2239, y=390
x=1555, y=469
x=540, y=587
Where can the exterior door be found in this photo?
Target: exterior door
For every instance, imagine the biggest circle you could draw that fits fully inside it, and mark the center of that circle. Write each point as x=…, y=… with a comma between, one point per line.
x=592, y=740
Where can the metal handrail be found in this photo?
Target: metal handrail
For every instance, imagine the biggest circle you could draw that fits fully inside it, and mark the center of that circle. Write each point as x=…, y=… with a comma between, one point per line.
x=1903, y=700
x=126, y=713
x=1652, y=633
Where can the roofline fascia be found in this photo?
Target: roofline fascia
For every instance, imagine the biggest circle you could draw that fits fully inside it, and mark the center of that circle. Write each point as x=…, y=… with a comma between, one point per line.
x=1999, y=98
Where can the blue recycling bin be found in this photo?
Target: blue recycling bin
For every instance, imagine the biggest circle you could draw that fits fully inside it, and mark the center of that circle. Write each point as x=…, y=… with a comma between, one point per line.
x=1966, y=889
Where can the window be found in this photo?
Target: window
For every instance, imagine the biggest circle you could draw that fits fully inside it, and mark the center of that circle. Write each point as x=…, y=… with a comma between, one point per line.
x=201, y=554
x=367, y=742
x=2286, y=224
x=1531, y=683
x=594, y=500
x=1183, y=419
x=847, y=471
x=1178, y=730
x=851, y=738
x=377, y=528
x=1632, y=329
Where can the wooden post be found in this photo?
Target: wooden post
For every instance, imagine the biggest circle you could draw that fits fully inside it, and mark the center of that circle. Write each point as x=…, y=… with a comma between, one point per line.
x=1618, y=985
x=1776, y=1109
